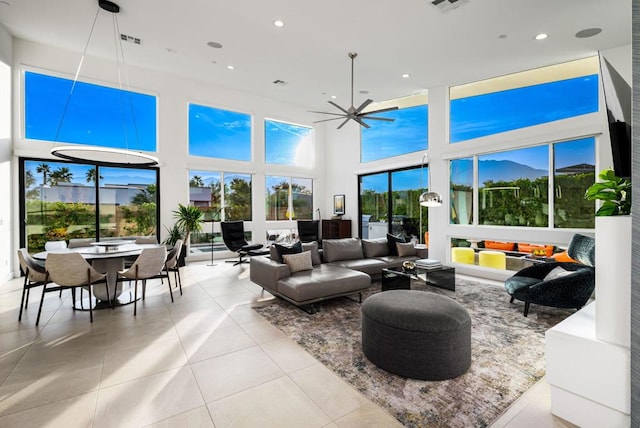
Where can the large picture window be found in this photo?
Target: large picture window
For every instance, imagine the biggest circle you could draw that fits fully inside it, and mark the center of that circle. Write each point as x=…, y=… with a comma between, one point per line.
x=95, y=115
x=289, y=198
x=217, y=133
x=288, y=144
x=63, y=200
x=523, y=99
x=406, y=134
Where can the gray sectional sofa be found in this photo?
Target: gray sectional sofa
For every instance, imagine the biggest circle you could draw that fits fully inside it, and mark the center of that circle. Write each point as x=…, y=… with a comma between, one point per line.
x=345, y=267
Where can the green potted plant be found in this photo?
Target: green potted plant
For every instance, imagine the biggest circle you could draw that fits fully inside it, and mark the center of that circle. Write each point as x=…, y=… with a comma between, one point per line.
x=615, y=192
x=188, y=219
x=173, y=234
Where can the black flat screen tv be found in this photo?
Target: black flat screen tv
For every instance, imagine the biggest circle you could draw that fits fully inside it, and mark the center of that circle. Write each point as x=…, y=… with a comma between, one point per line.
x=617, y=96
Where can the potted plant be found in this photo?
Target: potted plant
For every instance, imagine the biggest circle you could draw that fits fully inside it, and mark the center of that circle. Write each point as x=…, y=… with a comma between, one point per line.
x=188, y=219
x=613, y=257
x=615, y=192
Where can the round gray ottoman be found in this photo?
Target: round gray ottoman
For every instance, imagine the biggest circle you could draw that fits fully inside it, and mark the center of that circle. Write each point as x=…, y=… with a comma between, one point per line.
x=416, y=334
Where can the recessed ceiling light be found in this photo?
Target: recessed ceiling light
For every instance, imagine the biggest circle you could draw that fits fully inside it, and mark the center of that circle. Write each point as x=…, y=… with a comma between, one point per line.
x=541, y=36
x=230, y=67
x=405, y=75
x=334, y=97
x=588, y=32
x=214, y=45
x=278, y=23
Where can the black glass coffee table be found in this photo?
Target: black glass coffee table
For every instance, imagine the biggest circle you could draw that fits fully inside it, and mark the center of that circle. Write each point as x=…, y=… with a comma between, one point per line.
x=400, y=279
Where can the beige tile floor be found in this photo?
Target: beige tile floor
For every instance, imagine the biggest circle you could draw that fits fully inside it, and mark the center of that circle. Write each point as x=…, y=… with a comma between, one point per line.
x=206, y=360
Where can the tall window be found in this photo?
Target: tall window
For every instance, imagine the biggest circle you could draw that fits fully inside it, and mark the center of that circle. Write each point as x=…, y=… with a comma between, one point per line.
x=288, y=144
x=289, y=198
x=389, y=203
x=513, y=187
x=461, y=185
x=574, y=172
x=64, y=200
x=217, y=133
x=523, y=99
x=406, y=134
x=96, y=115
x=206, y=191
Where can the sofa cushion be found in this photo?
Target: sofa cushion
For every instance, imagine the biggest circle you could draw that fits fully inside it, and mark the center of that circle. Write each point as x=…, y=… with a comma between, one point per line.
x=375, y=247
x=392, y=240
x=341, y=249
x=406, y=249
x=298, y=262
x=285, y=249
x=315, y=252
x=322, y=282
x=368, y=266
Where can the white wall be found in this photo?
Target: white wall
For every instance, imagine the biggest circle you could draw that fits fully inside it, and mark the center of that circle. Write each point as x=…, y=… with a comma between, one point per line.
x=174, y=93
x=5, y=154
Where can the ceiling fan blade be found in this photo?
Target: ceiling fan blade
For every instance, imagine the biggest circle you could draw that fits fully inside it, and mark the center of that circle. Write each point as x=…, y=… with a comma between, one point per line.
x=386, y=119
x=363, y=105
x=343, y=123
x=360, y=121
x=338, y=107
x=327, y=120
x=382, y=110
x=326, y=112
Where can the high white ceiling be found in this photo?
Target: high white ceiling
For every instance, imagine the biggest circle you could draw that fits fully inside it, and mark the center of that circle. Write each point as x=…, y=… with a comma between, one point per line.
x=480, y=38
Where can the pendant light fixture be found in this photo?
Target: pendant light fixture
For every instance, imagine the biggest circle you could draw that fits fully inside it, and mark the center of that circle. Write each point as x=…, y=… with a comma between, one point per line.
x=100, y=154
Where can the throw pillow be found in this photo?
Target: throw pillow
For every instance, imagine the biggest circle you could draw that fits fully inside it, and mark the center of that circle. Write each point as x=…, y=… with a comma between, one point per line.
x=283, y=249
x=392, y=240
x=405, y=250
x=315, y=253
x=375, y=247
x=298, y=262
x=557, y=272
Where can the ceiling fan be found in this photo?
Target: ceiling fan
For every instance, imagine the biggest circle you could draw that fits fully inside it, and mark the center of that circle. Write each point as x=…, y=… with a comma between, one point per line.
x=353, y=113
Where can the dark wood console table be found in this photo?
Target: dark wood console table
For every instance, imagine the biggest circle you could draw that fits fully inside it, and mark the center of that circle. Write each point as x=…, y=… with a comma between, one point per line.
x=335, y=229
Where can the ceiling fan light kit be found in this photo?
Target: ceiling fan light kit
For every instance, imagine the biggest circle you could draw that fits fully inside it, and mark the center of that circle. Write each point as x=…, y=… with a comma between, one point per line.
x=352, y=113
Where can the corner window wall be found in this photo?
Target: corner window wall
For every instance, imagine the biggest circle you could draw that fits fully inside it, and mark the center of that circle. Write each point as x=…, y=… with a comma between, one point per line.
x=407, y=133
x=288, y=144
x=288, y=198
x=91, y=114
x=64, y=200
x=218, y=133
x=523, y=99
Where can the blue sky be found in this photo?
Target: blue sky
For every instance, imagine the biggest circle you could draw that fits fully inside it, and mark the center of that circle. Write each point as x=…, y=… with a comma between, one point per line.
x=288, y=144
x=95, y=115
x=109, y=175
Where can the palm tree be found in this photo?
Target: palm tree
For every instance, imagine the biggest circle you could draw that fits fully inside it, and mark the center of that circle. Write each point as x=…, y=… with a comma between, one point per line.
x=61, y=175
x=45, y=170
x=92, y=174
x=196, y=181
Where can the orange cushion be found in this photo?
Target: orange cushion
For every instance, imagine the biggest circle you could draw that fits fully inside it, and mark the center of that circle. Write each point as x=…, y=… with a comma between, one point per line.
x=497, y=245
x=528, y=248
x=563, y=257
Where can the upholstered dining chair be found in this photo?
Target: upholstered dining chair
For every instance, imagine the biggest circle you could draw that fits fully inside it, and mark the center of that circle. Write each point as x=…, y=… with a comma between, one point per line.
x=149, y=264
x=35, y=275
x=171, y=265
x=233, y=237
x=71, y=270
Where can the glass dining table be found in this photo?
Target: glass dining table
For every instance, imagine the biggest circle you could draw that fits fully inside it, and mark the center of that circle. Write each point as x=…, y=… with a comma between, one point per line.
x=106, y=257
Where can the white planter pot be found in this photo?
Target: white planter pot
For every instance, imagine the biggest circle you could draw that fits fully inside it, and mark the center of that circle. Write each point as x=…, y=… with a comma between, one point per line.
x=613, y=279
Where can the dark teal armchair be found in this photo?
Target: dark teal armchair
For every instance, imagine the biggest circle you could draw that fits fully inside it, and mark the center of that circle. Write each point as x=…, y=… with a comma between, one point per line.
x=570, y=289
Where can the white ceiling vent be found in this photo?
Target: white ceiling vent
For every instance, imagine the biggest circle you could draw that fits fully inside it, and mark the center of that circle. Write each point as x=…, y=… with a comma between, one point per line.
x=447, y=5
x=131, y=39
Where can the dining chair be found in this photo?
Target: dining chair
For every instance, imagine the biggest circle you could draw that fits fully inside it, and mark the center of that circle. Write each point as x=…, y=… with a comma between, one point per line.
x=149, y=264
x=35, y=275
x=171, y=265
x=71, y=270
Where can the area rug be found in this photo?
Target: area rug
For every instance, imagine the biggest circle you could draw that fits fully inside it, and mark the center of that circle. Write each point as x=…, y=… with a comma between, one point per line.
x=507, y=355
